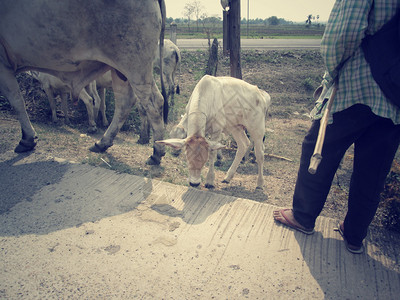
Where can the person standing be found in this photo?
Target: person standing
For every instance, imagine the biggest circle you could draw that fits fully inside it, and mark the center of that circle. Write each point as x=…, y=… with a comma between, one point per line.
x=361, y=115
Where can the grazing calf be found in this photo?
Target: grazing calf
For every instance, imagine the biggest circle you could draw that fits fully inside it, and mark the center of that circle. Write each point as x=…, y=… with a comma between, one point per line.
x=54, y=87
x=221, y=104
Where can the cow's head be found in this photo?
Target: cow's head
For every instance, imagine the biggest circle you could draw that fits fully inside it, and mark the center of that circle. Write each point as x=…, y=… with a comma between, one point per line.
x=197, y=149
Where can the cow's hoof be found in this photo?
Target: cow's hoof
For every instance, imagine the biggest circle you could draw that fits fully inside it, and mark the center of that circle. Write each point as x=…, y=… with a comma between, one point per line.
x=209, y=186
x=143, y=141
x=98, y=149
x=194, y=184
x=225, y=181
x=218, y=163
x=92, y=129
x=25, y=146
x=259, y=188
x=153, y=161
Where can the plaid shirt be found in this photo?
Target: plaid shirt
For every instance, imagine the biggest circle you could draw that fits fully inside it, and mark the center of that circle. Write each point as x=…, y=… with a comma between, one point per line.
x=349, y=22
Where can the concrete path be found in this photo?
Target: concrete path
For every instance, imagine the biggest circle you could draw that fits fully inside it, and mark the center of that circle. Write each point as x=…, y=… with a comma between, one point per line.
x=81, y=232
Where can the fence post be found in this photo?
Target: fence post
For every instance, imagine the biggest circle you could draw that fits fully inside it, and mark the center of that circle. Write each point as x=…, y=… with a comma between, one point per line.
x=212, y=63
x=173, y=28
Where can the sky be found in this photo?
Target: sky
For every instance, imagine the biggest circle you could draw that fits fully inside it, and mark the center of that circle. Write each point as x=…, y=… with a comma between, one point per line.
x=290, y=10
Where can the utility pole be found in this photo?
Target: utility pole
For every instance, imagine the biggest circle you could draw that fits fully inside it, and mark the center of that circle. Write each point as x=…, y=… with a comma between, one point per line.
x=231, y=35
x=248, y=9
x=234, y=38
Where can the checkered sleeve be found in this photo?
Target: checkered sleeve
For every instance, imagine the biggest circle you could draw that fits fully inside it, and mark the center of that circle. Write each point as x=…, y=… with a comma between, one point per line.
x=344, y=32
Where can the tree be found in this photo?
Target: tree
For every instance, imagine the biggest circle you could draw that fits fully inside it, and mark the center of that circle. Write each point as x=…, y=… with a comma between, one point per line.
x=211, y=23
x=194, y=7
x=197, y=10
x=188, y=11
x=273, y=20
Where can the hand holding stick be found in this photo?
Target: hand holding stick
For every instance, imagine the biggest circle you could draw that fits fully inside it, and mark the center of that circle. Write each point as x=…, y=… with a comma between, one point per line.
x=317, y=157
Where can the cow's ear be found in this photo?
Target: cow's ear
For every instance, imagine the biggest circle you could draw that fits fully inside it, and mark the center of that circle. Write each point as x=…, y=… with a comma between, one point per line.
x=174, y=143
x=215, y=145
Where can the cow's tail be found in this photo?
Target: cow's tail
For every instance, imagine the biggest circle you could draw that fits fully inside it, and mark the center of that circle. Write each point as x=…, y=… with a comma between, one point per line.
x=161, y=47
x=178, y=62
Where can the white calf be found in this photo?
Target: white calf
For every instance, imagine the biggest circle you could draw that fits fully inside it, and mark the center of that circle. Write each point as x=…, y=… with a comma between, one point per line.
x=221, y=104
x=171, y=63
x=54, y=87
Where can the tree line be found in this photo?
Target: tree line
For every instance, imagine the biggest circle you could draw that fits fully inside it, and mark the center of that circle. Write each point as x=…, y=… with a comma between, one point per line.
x=215, y=20
x=194, y=11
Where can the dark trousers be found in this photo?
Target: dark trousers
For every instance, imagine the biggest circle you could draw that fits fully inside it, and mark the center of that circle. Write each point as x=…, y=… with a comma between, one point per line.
x=376, y=140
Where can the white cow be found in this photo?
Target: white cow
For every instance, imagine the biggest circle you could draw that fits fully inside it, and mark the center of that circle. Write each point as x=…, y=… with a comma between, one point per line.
x=54, y=87
x=221, y=104
x=171, y=62
x=52, y=37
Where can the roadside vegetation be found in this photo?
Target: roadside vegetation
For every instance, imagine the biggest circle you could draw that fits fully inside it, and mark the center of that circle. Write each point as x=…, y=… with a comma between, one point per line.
x=251, y=31
x=196, y=23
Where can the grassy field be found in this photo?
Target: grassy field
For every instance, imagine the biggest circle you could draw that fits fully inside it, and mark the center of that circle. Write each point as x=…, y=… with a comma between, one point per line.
x=256, y=31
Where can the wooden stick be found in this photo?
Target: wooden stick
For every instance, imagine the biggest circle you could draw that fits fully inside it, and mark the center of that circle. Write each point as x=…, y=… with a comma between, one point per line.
x=266, y=154
x=277, y=156
x=317, y=157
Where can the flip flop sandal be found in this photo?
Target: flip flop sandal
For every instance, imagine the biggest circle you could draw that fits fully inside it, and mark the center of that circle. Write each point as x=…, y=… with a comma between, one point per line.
x=290, y=224
x=359, y=250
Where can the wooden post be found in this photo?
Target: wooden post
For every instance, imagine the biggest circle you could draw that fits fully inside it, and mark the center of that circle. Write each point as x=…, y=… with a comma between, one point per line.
x=212, y=64
x=225, y=32
x=234, y=38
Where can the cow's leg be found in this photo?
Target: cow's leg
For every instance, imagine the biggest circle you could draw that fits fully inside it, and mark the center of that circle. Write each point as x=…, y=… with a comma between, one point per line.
x=85, y=97
x=259, y=152
x=102, y=96
x=10, y=89
x=64, y=106
x=171, y=88
x=243, y=143
x=53, y=106
x=218, y=162
x=216, y=136
x=211, y=172
x=125, y=98
x=91, y=89
x=154, y=112
x=144, y=134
